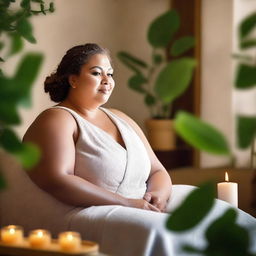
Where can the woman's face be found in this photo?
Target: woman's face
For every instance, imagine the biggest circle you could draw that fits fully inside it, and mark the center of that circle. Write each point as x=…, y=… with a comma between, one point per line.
x=95, y=81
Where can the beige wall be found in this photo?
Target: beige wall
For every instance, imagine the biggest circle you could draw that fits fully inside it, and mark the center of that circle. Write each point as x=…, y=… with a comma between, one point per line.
x=121, y=25
x=244, y=102
x=216, y=80
x=114, y=24
x=220, y=102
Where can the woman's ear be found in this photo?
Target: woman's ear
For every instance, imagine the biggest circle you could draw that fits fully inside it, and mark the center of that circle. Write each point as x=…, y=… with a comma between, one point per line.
x=72, y=81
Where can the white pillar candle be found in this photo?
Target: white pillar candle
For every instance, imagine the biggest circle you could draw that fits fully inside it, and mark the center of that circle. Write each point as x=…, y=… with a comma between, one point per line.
x=70, y=241
x=39, y=238
x=228, y=191
x=12, y=235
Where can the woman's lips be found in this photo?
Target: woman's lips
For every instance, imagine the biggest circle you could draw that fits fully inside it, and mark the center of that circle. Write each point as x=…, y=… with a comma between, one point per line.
x=105, y=91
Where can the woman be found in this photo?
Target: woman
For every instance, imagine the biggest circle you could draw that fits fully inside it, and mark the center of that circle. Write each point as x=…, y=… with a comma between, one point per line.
x=98, y=162
x=91, y=155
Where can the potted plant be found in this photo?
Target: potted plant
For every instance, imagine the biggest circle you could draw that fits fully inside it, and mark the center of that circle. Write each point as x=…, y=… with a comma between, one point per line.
x=223, y=236
x=164, y=79
x=207, y=138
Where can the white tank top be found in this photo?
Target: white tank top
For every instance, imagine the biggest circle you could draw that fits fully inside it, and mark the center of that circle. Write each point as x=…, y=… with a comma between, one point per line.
x=104, y=162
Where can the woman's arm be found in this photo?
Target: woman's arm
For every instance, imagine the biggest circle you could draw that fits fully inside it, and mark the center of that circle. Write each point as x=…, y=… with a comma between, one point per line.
x=159, y=183
x=55, y=132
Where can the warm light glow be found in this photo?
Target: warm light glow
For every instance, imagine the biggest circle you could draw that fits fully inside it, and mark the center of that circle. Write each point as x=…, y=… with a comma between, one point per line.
x=226, y=177
x=12, y=230
x=40, y=233
x=39, y=238
x=70, y=237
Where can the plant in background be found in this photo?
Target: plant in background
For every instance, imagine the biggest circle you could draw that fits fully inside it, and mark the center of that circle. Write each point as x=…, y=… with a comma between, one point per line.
x=15, y=27
x=204, y=136
x=223, y=236
x=163, y=80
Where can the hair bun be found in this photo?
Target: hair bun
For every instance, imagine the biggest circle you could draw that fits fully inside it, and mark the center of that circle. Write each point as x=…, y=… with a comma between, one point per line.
x=57, y=87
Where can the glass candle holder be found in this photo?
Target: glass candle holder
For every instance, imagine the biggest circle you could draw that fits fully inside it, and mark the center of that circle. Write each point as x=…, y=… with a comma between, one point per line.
x=39, y=238
x=70, y=241
x=12, y=235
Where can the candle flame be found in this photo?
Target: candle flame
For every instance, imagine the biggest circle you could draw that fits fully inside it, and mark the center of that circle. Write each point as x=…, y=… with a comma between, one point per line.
x=226, y=177
x=12, y=230
x=70, y=237
x=40, y=233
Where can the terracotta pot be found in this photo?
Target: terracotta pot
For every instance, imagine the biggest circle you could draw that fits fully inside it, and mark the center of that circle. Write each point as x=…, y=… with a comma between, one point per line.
x=161, y=134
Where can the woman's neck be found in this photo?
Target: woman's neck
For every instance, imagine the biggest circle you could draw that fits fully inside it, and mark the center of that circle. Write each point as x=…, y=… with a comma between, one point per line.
x=84, y=109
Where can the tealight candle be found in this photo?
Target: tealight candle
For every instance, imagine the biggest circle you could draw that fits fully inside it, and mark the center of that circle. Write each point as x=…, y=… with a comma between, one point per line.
x=228, y=191
x=39, y=238
x=70, y=241
x=12, y=235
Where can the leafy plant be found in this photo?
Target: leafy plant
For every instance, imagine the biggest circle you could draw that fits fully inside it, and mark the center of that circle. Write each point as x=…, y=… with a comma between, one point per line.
x=15, y=27
x=223, y=236
x=163, y=80
x=204, y=136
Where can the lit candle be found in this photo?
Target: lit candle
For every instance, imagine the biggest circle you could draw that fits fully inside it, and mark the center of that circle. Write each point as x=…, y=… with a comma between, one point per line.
x=228, y=191
x=12, y=235
x=70, y=241
x=39, y=238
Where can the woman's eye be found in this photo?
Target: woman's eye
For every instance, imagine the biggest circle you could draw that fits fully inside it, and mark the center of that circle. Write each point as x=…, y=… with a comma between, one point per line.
x=95, y=73
x=110, y=74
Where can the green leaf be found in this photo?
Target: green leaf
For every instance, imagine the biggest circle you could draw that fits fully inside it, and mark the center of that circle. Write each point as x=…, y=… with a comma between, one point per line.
x=247, y=25
x=194, y=208
x=190, y=249
x=136, y=83
x=42, y=8
x=9, y=112
x=157, y=58
x=182, y=45
x=225, y=237
x=249, y=43
x=125, y=56
x=9, y=141
x=245, y=76
x=200, y=134
x=24, y=28
x=16, y=44
x=51, y=7
x=3, y=183
x=174, y=79
x=1, y=45
x=26, y=74
x=246, y=131
x=1, y=59
x=25, y=4
x=29, y=155
x=163, y=28
x=149, y=100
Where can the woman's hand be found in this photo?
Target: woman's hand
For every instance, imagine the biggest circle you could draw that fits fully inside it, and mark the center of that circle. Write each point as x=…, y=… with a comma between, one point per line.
x=141, y=204
x=156, y=199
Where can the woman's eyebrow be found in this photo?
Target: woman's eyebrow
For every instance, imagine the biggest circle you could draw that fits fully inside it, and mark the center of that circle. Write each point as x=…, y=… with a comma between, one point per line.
x=100, y=68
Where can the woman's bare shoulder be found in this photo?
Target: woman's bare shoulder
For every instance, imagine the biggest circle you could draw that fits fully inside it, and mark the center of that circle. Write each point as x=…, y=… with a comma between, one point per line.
x=50, y=121
x=128, y=119
x=121, y=115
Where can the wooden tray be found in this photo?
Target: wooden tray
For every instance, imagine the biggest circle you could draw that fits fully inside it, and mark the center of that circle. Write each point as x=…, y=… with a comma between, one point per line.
x=87, y=248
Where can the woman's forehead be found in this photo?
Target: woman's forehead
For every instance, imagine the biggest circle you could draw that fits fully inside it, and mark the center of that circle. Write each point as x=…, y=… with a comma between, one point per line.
x=102, y=59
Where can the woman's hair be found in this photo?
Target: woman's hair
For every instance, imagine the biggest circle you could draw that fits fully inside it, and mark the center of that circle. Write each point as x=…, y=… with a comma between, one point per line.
x=57, y=84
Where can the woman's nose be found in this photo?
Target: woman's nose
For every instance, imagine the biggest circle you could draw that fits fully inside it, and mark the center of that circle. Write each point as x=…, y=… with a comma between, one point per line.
x=105, y=79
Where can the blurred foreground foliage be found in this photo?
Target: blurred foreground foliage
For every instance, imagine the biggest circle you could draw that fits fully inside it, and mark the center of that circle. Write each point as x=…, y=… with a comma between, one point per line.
x=15, y=90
